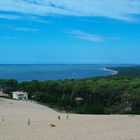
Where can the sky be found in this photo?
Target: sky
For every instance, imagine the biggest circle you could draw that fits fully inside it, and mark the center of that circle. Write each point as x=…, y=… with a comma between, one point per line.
x=69, y=31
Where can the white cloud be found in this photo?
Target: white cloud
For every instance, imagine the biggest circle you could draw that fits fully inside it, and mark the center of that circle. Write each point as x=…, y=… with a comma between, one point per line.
x=22, y=17
x=9, y=16
x=25, y=29
x=116, y=9
x=36, y=19
x=86, y=36
x=90, y=37
x=8, y=38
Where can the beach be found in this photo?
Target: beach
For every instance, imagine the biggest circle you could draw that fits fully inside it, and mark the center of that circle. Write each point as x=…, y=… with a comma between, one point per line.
x=14, y=117
x=114, y=72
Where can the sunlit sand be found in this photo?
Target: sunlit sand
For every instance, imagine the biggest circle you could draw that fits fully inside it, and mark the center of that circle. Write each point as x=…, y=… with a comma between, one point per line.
x=14, y=124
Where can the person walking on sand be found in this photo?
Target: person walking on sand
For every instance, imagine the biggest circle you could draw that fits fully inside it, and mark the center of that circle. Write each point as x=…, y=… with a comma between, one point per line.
x=59, y=117
x=29, y=121
x=67, y=117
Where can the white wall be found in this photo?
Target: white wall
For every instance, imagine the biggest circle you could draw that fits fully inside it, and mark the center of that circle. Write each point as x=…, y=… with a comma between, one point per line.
x=20, y=97
x=15, y=96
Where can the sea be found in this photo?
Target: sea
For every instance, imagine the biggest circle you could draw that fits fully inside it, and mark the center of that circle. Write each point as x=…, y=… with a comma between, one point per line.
x=42, y=72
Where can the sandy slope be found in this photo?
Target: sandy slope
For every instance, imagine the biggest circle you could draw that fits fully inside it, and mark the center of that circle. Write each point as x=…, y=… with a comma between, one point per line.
x=77, y=127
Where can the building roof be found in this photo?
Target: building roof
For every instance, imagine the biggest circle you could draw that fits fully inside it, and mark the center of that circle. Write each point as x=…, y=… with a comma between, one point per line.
x=19, y=92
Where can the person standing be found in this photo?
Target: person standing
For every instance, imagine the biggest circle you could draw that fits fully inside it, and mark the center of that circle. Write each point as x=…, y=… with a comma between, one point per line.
x=59, y=117
x=29, y=121
x=67, y=117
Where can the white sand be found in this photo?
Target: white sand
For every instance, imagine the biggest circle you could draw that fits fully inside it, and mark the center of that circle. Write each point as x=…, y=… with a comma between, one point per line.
x=114, y=72
x=77, y=127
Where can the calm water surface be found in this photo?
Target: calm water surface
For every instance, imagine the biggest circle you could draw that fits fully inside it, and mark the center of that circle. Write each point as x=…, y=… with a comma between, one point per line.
x=51, y=72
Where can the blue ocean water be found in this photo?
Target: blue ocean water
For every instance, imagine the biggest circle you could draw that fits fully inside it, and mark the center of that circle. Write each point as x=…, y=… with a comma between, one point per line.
x=51, y=72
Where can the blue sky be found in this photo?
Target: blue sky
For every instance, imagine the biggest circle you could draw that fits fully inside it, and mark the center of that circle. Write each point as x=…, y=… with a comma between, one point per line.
x=69, y=31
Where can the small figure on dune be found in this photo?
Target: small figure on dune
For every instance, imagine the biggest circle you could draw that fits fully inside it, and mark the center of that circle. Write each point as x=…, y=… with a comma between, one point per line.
x=52, y=125
x=29, y=121
x=59, y=117
x=67, y=117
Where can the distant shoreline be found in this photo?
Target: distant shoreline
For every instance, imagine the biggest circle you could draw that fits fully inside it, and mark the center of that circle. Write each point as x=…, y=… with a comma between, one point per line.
x=114, y=72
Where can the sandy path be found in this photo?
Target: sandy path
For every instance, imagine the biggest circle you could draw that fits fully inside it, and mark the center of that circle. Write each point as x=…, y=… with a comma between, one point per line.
x=77, y=127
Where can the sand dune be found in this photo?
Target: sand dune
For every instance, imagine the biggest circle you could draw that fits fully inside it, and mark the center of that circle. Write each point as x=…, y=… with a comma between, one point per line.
x=14, y=116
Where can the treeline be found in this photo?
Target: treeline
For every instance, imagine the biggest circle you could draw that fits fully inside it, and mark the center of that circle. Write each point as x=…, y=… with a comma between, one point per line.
x=131, y=71
x=103, y=95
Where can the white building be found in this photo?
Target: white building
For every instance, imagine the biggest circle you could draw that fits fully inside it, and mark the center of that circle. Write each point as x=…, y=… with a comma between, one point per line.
x=19, y=95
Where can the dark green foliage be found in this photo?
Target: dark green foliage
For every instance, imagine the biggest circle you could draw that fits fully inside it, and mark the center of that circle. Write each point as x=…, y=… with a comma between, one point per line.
x=131, y=71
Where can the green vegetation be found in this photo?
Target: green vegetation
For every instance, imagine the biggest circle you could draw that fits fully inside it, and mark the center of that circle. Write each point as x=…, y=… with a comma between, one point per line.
x=130, y=71
x=101, y=95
